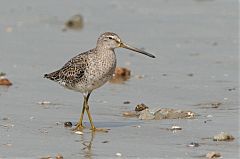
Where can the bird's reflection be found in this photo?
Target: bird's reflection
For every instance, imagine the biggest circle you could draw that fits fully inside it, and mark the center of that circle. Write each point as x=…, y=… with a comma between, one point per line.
x=88, y=137
x=87, y=140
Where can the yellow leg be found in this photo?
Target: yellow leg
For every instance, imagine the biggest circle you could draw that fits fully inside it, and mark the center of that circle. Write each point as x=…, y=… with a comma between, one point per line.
x=79, y=125
x=90, y=118
x=82, y=114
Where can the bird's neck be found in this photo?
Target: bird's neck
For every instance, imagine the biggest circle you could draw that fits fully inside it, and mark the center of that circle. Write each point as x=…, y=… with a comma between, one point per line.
x=105, y=53
x=103, y=45
x=104, y=50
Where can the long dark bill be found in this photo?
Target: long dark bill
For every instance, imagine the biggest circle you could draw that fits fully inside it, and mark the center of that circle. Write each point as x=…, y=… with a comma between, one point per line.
x=126, y=46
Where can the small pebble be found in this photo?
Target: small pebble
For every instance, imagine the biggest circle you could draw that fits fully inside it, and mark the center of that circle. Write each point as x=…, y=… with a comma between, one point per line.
x=126, y=102
x=190, y=74
x=79, y=132
x=231, y=89
x=209, y=116
x=213, y=154
x=5, y=118
x=44, y=102
x=140, y=107
x=118, y=154
x=193, y=144
x=216, y=104
x=205, y=121
x=176, y=128
x=75, y=22
x=68, y=124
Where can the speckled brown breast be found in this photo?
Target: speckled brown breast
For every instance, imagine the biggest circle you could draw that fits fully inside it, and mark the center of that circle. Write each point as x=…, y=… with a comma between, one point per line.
x=99, y=70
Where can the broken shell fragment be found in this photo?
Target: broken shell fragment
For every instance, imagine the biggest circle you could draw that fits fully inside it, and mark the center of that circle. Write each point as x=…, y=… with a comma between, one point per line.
x=121, y=71
x=145, y=115
x=121, y=74
x=129, y=114
x=79, y=132
x=4, y=81
x=59, y=156
x=168, y=113
x=223, y=137
x=118, y=154
x=213, y=155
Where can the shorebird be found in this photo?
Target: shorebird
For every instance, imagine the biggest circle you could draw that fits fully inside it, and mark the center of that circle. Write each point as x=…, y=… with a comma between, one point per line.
x=90, y=70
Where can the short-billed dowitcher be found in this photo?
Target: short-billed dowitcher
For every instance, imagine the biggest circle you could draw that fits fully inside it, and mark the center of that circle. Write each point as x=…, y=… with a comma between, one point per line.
x=90, y=70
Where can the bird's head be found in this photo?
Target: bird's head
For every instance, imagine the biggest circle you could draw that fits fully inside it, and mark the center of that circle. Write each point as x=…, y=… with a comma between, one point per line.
x=109, y=40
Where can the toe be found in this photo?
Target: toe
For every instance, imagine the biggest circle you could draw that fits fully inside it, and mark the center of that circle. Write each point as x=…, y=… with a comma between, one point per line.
x=100, y=130
x=78, y=127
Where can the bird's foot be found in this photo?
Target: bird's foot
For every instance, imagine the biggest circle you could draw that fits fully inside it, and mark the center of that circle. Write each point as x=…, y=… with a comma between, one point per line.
x=79, y=127
x=94, y=129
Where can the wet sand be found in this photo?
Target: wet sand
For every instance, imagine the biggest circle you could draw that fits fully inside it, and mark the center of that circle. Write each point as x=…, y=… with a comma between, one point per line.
x=196, y=45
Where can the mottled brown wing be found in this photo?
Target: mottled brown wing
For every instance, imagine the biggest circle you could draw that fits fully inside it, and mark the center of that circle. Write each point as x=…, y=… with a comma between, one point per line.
x=72, y=71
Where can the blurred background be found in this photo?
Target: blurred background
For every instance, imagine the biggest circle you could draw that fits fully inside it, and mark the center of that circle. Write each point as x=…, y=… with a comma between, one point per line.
x=196, y=45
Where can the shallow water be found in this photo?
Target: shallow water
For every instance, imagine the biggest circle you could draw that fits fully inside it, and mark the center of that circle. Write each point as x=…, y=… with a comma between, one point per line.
x=197, y=37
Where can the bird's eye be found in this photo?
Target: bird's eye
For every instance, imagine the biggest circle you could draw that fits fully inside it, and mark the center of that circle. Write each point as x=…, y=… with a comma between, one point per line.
x=110, y=38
